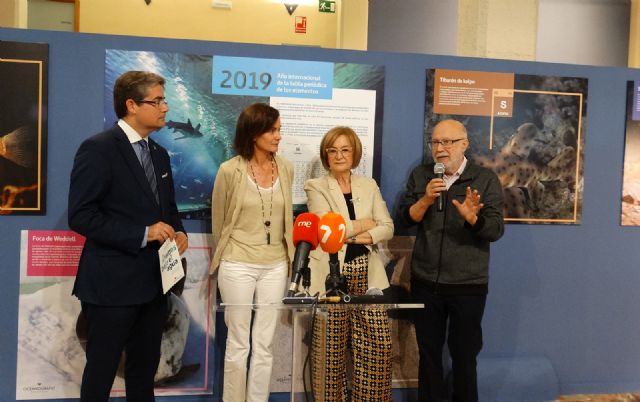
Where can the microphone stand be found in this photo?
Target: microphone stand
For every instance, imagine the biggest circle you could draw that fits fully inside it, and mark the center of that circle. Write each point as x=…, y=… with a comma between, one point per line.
x=301, y=297
x=336, y=283
x=306, y=279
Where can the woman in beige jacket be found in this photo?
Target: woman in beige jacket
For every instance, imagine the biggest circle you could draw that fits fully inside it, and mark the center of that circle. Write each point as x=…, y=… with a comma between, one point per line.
x=358, y=199
x=252, y=224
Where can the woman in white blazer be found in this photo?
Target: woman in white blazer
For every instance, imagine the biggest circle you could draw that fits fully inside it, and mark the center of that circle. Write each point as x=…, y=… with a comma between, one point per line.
x=358, y=199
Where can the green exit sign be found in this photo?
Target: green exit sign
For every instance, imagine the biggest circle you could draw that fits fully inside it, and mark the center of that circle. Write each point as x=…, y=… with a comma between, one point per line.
x=326, y=6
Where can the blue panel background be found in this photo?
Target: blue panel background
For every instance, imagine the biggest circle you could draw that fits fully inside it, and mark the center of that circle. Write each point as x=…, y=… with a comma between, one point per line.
x=568, y=293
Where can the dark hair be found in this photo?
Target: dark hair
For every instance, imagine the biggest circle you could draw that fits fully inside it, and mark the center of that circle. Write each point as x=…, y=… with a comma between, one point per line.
x=332, y=135
x=254, y=121
x=132, y=85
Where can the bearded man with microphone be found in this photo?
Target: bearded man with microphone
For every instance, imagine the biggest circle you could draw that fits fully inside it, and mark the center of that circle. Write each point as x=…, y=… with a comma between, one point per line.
x=457, y=207
x=363, y=222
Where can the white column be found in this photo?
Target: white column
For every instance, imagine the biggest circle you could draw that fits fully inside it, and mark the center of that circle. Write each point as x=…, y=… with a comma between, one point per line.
x=501, y=29
x=634, y=35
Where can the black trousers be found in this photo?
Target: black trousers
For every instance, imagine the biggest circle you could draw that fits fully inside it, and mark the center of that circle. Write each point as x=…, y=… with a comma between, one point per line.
x=461, y=315
x=136, y=330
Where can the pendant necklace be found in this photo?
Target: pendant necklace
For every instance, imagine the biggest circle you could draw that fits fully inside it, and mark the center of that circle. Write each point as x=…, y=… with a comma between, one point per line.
x=266, y=222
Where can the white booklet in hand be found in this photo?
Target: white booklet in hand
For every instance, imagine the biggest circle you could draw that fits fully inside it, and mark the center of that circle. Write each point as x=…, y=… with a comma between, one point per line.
x=171, y=268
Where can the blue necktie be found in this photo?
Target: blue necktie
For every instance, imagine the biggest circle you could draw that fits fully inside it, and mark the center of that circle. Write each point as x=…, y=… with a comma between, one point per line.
x=147, y=165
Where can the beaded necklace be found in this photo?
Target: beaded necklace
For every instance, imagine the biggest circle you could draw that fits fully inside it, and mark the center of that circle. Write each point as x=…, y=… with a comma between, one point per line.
x=266, y=222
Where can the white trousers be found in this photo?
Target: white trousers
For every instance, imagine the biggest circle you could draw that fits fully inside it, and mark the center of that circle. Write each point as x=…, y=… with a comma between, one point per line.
x=242, y=284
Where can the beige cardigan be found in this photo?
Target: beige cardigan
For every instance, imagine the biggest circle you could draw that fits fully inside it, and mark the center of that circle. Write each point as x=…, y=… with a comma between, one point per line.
x=229, y=190
x=324, y=195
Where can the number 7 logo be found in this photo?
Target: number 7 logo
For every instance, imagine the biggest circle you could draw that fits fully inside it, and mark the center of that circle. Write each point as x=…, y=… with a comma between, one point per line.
x=328, y=231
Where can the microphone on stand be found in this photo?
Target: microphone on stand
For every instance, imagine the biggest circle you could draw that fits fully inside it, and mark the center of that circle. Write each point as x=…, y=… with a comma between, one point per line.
x=305, y=239
x=372, y=296
x=438, y=171
x=330, y=299
x=332, y=231
x=336, y=283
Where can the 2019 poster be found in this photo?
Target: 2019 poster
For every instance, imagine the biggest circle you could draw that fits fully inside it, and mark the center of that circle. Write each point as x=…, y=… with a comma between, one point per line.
x=207, y=93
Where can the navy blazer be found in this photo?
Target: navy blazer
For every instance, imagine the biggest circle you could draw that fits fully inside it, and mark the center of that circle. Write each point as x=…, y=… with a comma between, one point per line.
x=111, y=203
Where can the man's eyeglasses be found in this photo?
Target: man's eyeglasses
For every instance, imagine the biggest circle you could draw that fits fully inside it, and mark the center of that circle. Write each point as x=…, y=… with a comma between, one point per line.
x=156, y=102
x=333, y=152
x=444, y=143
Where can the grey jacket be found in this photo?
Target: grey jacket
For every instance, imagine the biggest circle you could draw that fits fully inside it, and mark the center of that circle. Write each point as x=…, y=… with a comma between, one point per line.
x=449, y=253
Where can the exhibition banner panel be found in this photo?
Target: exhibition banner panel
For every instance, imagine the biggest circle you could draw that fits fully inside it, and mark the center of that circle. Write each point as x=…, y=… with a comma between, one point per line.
x=630, y=211
x=23, y=127
x=51, y=337
x=529, y=129
x=207, y=93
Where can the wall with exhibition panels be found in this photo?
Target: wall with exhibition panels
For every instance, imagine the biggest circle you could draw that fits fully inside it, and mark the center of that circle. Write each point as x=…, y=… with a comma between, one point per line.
x=564, y=293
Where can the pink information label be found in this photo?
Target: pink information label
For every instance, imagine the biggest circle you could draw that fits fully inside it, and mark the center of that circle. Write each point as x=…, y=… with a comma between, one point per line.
x=53, y=252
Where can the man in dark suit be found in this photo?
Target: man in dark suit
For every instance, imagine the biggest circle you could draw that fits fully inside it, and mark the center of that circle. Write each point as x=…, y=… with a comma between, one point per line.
x=121, y=198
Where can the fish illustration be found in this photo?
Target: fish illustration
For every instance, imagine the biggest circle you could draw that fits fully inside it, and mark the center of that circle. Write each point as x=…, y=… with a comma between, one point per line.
x=20, y=147
x=186, y=129
x=529, y=160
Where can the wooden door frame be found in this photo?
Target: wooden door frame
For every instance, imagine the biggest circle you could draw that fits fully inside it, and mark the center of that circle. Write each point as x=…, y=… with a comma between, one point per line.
x=76, y=13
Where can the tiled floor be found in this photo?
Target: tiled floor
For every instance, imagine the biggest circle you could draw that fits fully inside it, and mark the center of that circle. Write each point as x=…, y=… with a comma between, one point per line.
x=601, y=398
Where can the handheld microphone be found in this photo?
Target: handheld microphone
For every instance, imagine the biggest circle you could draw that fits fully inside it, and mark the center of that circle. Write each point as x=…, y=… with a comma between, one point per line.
x=438, y=171
x=305, y=239
x=332, y=231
